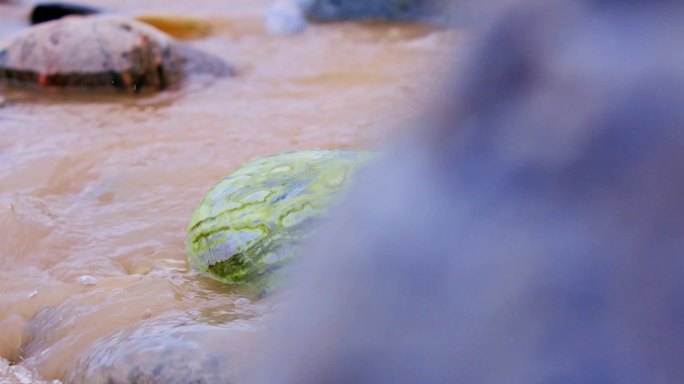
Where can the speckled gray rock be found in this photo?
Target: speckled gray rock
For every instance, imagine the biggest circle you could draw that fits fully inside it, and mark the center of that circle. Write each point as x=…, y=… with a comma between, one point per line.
x=386, y=10
x=101, y=51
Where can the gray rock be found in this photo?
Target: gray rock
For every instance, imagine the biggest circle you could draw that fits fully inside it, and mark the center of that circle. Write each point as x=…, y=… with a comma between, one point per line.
x=169, y=352
x=531, y=231
x=386, y=10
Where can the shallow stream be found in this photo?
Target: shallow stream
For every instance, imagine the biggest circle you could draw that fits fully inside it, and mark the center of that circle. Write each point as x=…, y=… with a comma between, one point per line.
x=96, y=190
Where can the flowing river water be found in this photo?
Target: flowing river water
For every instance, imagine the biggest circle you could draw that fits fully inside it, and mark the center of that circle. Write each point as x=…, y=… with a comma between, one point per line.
x=96, y=190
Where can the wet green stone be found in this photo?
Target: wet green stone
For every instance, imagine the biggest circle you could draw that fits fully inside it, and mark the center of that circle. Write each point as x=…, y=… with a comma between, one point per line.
x=250, y=223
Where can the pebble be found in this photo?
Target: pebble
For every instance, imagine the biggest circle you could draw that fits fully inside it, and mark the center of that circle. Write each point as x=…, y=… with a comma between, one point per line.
x=86, y=280
x=284, y=17
x=241, y=302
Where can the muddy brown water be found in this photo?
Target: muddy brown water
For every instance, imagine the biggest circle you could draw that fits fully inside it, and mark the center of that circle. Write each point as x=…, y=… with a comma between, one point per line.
x=96, y=190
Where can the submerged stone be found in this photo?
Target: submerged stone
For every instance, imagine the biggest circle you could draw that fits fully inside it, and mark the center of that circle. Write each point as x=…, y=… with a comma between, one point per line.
x=101, y=51
x=169, y=352
x=250, y=223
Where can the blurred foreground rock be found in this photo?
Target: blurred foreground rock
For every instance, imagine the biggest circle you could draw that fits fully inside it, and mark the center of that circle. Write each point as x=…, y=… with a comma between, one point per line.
x=530, y=230
x=101, y=52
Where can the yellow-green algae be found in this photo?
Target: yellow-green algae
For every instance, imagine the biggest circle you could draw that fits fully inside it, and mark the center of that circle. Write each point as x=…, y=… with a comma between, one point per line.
x=250, y=223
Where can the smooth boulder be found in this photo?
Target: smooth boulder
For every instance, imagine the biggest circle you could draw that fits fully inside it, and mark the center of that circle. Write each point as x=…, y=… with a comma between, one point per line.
x=101, y=51
x=178, y=351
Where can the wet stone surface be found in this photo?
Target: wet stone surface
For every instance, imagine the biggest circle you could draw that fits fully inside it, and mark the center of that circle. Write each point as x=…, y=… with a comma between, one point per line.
x=172, y=351
x=101, y=51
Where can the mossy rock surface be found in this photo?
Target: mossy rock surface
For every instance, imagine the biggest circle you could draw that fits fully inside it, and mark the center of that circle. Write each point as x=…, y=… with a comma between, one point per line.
x=250, y=223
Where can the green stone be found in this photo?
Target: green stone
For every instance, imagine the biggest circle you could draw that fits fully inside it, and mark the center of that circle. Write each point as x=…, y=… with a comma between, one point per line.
x=250, y=224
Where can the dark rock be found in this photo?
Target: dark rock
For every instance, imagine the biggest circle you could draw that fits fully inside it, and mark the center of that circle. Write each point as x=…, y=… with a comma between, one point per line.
x=385, y=10
x=53, y=11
